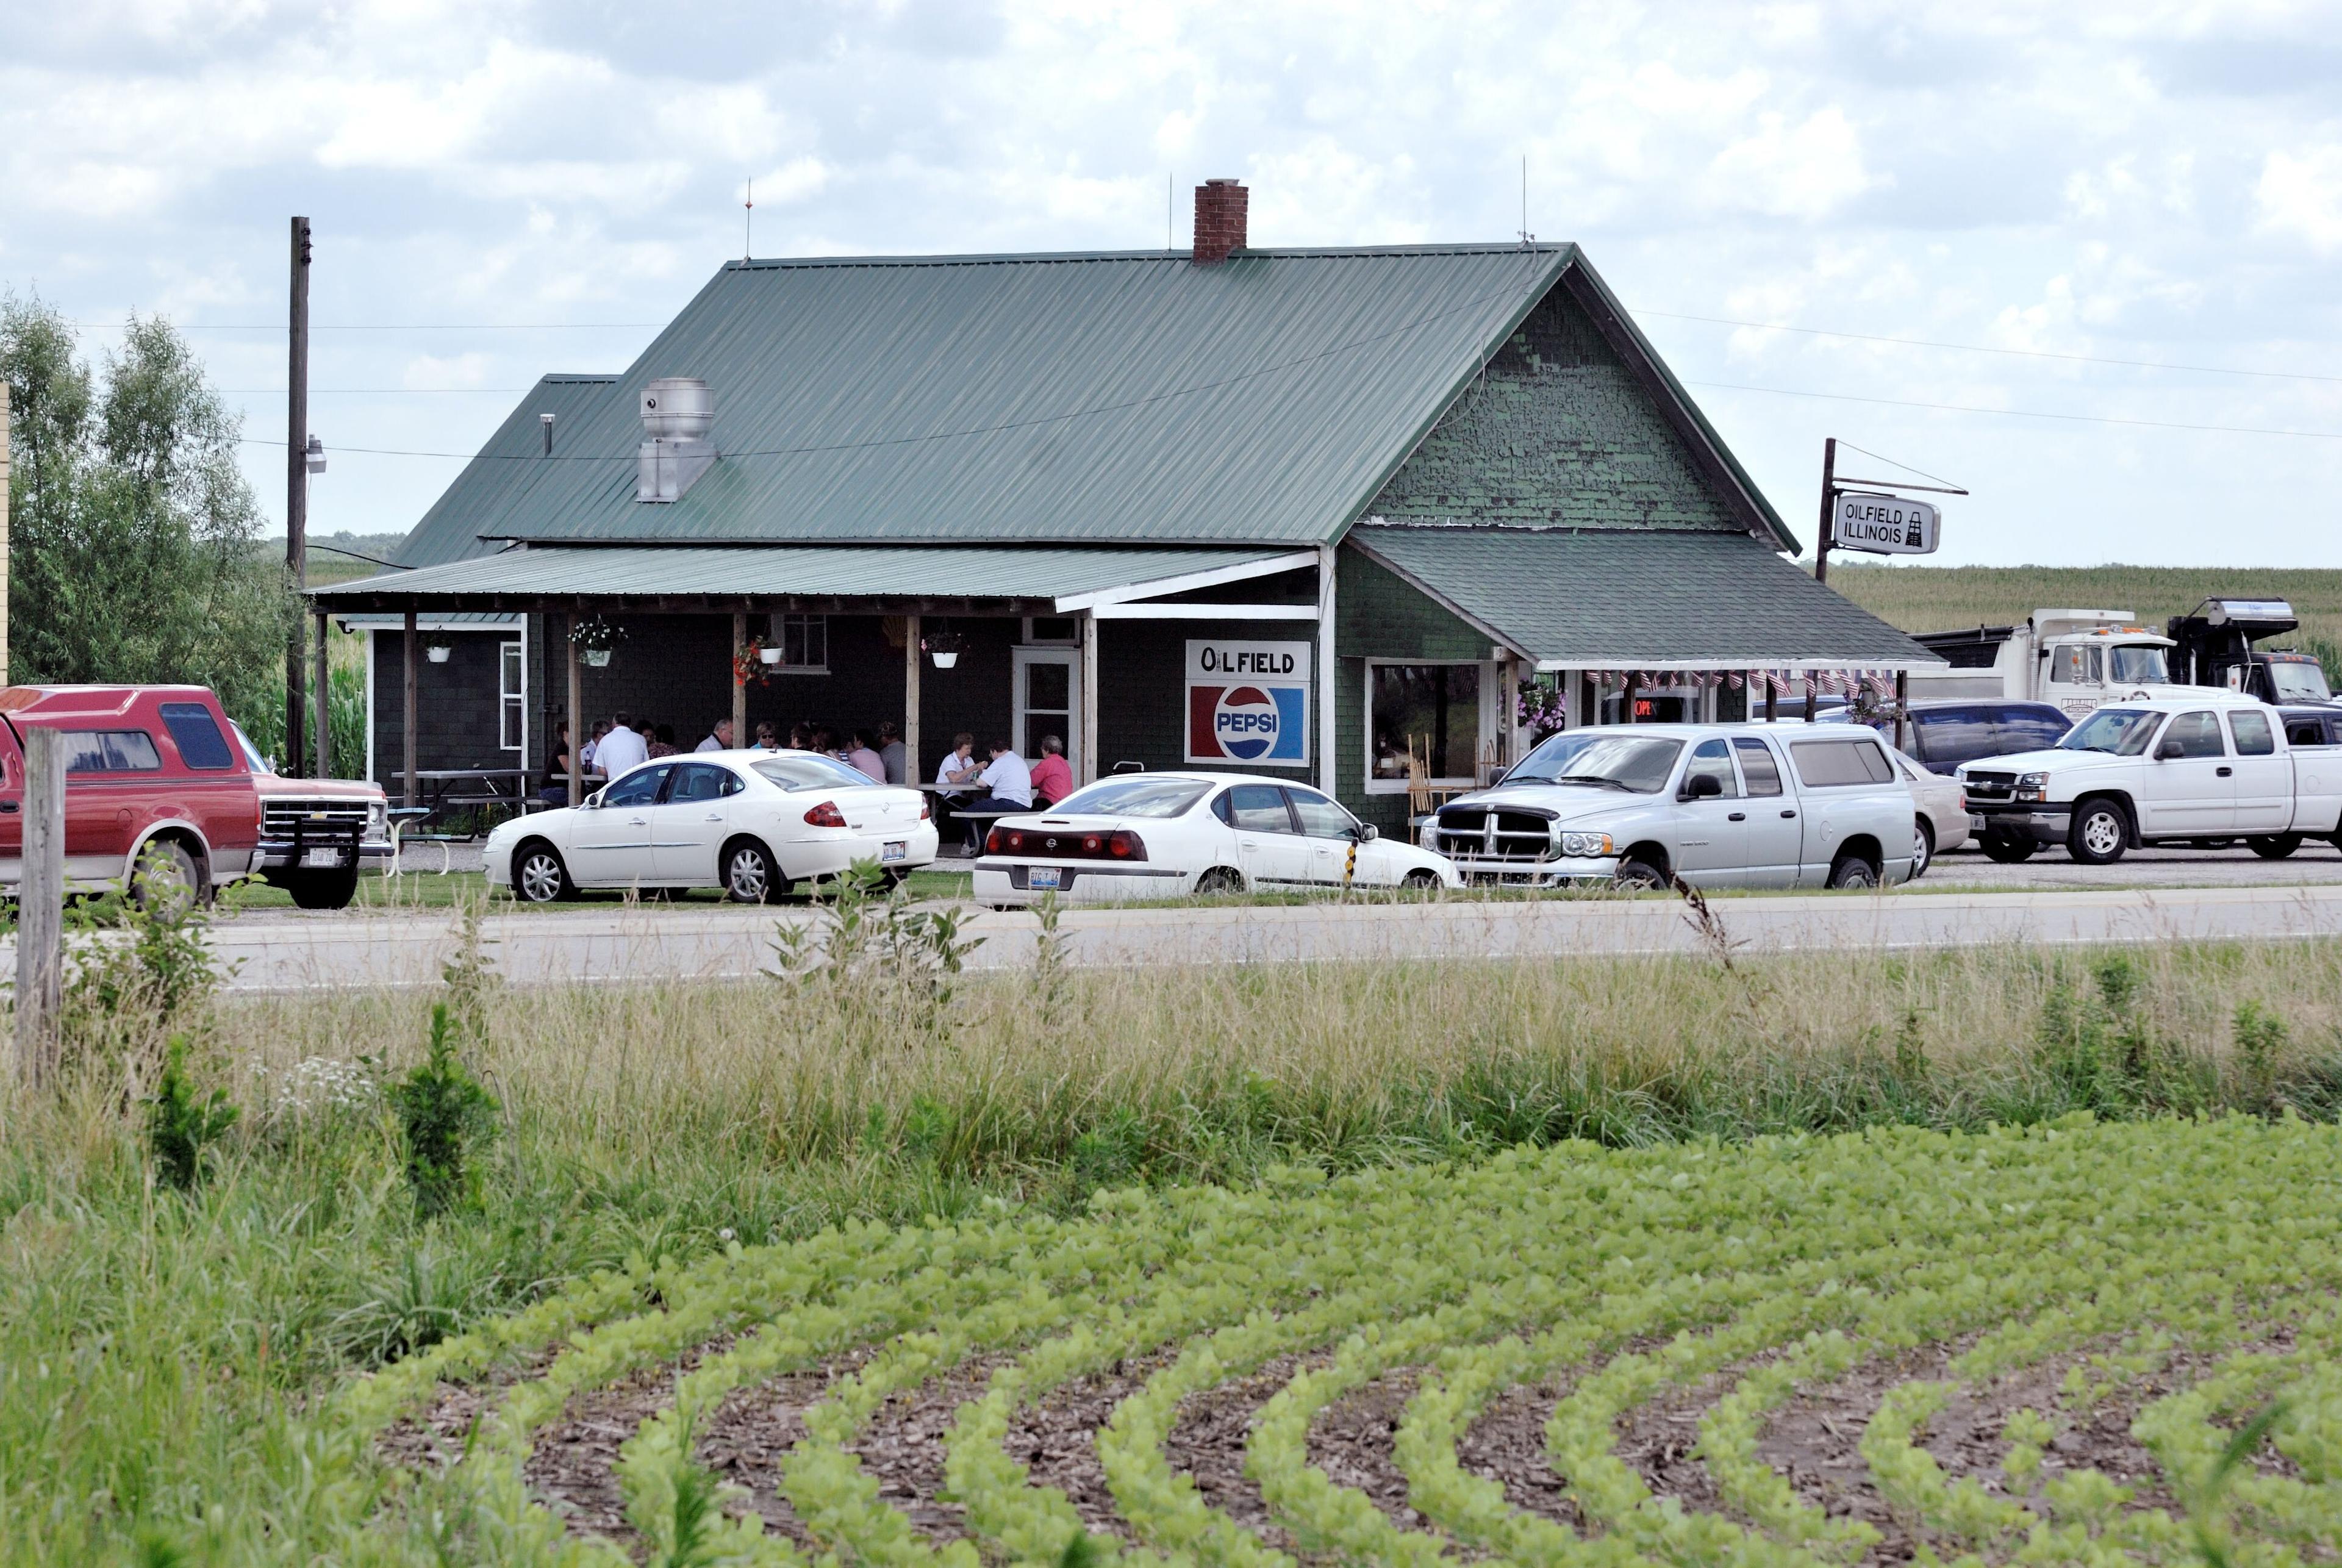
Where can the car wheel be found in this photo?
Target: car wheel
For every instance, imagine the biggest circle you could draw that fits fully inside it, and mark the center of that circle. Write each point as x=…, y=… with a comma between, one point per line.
x=2009, y=850
x=1923, y=850
x=1421, y=881
x=323, y=889
x=749, y=875
x=2099, y=835
x=1219, y=881
x=537, y=874
x=2274, y=846
x=1852, y=871
x=1639, y=876
x=168, y=881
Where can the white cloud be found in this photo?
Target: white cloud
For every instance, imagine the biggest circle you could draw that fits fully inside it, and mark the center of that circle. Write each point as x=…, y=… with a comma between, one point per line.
x=1803, y=171
x=2302, y=198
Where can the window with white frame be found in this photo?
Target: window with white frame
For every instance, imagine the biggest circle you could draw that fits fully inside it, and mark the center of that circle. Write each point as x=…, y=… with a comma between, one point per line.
x=512, y=693
x=1053, y=632
x=803, y=642
x=1425, y=720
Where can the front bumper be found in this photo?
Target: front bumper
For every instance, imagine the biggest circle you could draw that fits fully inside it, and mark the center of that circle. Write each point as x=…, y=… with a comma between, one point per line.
x=324, y=852
x=2040, y=821
x=1567, y=872
x=1010, y=882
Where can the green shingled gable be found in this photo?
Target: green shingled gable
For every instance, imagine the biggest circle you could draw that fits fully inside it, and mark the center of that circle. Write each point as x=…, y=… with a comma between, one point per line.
x=1556, y=430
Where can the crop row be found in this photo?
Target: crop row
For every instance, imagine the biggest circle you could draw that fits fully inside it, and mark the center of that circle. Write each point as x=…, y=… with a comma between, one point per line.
x=1754, y=1273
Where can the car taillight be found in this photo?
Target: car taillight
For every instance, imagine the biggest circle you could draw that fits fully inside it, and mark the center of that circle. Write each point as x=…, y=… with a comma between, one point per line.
x=1124, y=845
x=826, y=815
x=926, y=811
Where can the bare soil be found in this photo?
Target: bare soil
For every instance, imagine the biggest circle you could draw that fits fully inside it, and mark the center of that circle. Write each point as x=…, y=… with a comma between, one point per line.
x=1354, y=1441
x=1207, y=1442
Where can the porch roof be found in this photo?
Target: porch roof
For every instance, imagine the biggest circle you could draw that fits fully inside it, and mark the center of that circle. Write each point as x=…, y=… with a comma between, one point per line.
x=729, y=577
x=1639, y=599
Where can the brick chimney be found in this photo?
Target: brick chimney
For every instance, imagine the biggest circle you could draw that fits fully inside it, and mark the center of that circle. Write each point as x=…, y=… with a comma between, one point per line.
x=1219, y=220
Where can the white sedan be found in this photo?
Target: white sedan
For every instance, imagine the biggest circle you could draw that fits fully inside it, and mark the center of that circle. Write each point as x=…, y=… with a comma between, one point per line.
x=1940, y=811
x=1162, y=836
x=751, y=823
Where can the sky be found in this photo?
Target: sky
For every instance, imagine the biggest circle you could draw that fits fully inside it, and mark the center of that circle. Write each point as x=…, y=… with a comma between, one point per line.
x=2078, y=259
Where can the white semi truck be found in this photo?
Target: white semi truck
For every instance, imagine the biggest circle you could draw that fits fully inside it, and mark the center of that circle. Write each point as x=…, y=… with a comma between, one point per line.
x=2078, y=659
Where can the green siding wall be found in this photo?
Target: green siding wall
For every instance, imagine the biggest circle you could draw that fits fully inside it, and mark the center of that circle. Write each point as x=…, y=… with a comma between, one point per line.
x=1556, y=430
x=1377, y=614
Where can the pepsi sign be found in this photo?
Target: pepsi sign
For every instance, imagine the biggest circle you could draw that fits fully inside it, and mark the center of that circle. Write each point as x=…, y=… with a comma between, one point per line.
x=1248, y=702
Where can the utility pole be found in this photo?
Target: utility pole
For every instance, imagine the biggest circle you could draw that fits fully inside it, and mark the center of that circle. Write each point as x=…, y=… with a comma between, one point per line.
x=296, y=487
x=4, y=533
x=1829, y=506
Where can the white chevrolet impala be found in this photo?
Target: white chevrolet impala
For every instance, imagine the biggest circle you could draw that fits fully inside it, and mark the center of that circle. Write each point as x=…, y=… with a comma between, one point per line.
x=751, y=823
x=1162, y=836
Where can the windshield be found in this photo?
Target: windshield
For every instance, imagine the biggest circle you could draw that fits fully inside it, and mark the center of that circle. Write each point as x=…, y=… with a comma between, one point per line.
x=1156, y=797
x=2118, y=732
x=2298, y=683
x=809, y=770
x=252, y=757
x=1639, y=764
x=2138, y=667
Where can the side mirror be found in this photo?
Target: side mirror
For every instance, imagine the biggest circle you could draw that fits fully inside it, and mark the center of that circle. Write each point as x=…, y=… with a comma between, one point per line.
x=592, y=802
x=1368, y=832
x=1701, y=786
x=2169, y=752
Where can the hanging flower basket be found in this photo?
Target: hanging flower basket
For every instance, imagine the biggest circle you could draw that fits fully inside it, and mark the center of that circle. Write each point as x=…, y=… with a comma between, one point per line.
x=944, y=647
x=596, y=637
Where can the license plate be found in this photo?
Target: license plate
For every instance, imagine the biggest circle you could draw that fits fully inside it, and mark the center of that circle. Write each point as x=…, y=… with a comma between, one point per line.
x=1043, y=879
x=899, y=849
x=1975, y=823
x=321, y=857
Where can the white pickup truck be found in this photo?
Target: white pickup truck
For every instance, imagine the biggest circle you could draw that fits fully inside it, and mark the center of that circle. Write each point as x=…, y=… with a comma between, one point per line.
x=2204, y=770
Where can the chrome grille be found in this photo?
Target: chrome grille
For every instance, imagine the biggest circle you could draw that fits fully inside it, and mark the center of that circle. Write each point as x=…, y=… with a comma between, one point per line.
x=1482, y=834
x=282, y=819
x=1991, y=786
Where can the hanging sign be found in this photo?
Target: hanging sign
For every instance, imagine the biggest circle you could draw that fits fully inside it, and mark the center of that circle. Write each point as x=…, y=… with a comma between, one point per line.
x=1885, y=525
x=1249, y=702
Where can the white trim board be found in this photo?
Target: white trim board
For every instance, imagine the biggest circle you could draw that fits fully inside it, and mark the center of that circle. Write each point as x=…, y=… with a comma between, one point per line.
x=1145, y=612
x=1188, y=582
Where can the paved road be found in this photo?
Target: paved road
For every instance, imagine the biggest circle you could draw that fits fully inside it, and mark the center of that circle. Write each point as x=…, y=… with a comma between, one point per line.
x=620, y=943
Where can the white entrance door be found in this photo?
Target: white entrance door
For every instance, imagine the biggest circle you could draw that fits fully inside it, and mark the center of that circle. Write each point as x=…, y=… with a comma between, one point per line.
x=1049, y=702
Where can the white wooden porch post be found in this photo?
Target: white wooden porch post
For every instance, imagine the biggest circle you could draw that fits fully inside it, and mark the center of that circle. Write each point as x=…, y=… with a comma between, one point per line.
x=1089, y=740
x=1327, y=770
x=911, y=771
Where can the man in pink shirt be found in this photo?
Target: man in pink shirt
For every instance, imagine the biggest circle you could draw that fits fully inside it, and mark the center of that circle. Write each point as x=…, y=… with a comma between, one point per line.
x=1052, y=781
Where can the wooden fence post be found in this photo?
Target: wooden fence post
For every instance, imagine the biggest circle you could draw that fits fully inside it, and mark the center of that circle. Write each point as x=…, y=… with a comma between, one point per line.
x=41, y=908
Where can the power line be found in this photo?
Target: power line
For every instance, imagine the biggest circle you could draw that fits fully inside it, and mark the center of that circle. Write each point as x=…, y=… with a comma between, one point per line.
x=2020, y=413
x=1881, y=457
x=1988, y=348
x=393, y=326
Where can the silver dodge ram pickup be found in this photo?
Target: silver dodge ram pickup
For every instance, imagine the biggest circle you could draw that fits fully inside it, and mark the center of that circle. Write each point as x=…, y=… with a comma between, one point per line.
x=1721, y=806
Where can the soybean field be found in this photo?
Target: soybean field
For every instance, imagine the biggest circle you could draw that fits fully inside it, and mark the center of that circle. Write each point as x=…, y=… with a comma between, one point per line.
x=2082, y=1342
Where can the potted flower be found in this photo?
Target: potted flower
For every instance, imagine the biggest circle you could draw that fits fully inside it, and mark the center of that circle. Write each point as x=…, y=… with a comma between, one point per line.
x=596, y=637
x=1543, y=708
x=944, y=647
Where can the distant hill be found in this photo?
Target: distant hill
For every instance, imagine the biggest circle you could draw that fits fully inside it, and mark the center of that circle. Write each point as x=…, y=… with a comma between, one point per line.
x=327, y=567
x=1944, y=599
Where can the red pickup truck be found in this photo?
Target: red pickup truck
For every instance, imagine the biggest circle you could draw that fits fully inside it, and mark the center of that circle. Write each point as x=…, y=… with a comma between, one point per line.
x=163, y=768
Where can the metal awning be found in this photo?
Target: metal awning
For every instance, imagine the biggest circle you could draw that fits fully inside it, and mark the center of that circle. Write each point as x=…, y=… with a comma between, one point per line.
x=1033, y=579
x=1645, y=599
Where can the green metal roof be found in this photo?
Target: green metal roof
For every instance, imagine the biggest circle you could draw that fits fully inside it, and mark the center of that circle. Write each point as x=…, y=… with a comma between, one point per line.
x=516, y=578
x=1632, y=598
x=1131, y=397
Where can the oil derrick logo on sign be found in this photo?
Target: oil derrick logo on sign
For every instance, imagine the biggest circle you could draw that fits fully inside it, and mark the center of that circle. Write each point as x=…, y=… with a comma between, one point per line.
x=1248, y=702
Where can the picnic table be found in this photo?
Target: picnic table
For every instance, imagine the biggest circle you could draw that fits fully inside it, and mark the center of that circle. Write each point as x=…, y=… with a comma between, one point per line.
x=443, y=789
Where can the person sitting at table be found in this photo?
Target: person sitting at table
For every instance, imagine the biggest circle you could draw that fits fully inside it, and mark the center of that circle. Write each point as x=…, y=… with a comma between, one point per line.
x=661, y=739
x=1053, y=778
x=959, y=766
x=893, y=756
x=1007, y=787
x=861, y=757
x=622, y=750
x=556, y=768
x=801, y=737
x=592, y=748
x=717, y=739
x=769, y=738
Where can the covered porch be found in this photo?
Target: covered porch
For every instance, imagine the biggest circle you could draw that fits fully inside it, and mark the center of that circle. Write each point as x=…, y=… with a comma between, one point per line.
x=1002, y=643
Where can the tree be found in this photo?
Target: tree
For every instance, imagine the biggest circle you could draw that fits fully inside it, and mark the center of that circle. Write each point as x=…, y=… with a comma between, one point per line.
x=133, y=539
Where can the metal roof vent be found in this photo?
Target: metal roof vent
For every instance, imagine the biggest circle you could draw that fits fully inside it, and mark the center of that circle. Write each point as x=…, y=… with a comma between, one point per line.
x=678, y=411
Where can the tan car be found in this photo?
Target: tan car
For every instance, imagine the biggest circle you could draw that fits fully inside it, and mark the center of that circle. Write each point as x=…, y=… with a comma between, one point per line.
x=1941, y=815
